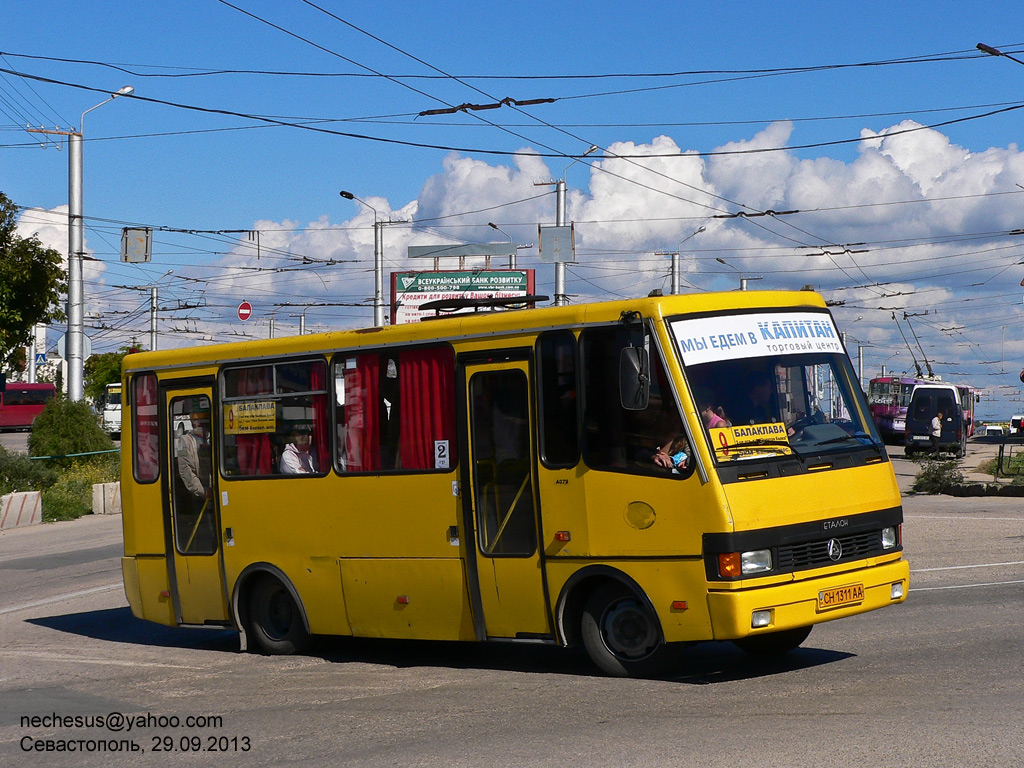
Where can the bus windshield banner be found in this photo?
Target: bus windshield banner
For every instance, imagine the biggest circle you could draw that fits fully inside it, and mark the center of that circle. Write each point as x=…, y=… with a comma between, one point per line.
x=761, y=334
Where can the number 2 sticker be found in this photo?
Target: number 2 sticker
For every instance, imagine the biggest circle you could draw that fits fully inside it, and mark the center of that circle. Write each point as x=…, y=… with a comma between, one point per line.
x=441, y=454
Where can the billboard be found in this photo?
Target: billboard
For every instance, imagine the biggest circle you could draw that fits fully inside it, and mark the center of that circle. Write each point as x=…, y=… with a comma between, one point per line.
x=409, y=290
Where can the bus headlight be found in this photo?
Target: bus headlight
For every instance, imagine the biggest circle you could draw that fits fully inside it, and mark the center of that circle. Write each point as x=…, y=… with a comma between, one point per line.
x=735, y=564
x=889, y=538
x=757, y=561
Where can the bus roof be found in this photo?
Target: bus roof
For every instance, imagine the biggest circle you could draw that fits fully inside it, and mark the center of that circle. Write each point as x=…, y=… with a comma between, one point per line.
x=470, y=324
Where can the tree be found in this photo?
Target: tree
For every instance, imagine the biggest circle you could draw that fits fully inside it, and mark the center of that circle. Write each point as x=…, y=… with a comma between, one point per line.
x=32, y=279
x=65, y=427
x=103, y=369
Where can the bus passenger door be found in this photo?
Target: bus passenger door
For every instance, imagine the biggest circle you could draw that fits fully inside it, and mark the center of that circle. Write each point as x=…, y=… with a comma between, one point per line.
x=192, y=522
x=503, y=501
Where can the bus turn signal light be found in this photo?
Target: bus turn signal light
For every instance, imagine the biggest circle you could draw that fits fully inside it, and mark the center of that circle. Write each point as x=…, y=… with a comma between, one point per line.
x=563, y=536
x=729, y=565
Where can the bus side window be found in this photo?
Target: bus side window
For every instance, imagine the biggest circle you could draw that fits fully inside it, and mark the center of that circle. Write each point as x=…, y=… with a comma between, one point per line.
x=395, y=411
x=614, y=438
x=559, y=420
x=145, y=428
x=269, y=406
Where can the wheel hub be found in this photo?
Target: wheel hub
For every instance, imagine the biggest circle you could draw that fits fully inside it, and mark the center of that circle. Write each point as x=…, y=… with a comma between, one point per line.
x=627, y=630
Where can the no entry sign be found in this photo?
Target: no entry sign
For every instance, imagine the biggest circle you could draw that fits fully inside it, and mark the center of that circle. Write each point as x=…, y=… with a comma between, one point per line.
x=244, y=310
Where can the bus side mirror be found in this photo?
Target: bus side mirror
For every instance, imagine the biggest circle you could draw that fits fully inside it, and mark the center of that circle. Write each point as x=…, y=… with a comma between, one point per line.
x=634, y=378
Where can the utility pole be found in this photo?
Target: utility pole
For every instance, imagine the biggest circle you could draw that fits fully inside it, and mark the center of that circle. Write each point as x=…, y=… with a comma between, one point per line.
x=152, y=316
x=74, y=343
x=561, y=298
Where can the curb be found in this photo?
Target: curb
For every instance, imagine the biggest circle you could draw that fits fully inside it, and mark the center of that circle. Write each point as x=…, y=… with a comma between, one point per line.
x=20, y=509
x=986, y=489
x=106, y=499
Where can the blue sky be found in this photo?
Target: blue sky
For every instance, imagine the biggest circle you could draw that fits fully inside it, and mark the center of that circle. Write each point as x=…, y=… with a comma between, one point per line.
x=914, y=221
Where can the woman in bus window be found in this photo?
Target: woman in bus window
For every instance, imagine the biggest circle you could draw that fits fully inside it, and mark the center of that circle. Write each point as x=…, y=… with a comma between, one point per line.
x=297, y=458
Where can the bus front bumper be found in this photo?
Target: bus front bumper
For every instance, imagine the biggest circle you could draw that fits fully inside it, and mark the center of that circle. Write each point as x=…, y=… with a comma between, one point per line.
x=778, y=607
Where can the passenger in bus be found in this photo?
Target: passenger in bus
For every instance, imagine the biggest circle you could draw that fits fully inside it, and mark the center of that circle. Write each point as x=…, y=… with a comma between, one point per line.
x=194, y=458
x=674, y=455
x=714, y=418
x=297, y=458
x=758, y=388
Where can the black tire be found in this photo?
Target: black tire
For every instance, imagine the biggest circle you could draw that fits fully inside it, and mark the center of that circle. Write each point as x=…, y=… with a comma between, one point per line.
x=275, y=622
x=774, y=643
x=622, y=635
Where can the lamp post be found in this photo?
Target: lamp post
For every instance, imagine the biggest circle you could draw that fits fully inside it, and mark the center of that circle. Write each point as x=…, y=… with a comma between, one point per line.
x=378, y=260
x=512, y=255
x=676, y=256
x=74, y=342
x=743, y=280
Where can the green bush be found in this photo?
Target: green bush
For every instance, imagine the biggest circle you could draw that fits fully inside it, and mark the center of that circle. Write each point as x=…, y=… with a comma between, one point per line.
x=71, y=495
x=19, y=473
x=66, y=427
x=937, y=476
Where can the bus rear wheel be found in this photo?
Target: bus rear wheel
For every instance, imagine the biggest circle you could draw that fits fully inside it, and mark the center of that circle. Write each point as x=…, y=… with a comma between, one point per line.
x=275, y=622
x=774, y=643
x=621, y=634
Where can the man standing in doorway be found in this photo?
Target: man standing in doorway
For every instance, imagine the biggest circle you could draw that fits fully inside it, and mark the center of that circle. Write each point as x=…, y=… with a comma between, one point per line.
x=194, y=460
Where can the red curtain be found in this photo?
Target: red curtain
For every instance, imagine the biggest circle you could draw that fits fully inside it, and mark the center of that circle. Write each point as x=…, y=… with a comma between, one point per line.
x=255, y=455
x=426, y=389
x=321, y=429
x=362, y=420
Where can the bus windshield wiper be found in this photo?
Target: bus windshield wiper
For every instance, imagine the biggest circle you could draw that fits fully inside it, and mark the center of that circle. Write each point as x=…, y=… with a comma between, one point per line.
x=768, y=444
x=843, y=438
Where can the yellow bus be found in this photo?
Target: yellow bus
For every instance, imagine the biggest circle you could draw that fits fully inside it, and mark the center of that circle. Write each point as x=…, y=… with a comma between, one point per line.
x=629, y=477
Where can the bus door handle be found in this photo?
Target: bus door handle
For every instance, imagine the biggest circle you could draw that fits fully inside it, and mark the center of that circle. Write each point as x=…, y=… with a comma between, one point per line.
x=229, y=537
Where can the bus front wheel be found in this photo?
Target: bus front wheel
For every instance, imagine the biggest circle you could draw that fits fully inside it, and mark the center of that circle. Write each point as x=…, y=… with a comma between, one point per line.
x=274, y=619
x=621, y=634
x=774, y=643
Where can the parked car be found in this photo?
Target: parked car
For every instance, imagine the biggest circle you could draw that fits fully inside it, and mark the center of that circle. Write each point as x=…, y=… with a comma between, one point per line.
x=994, y=430
x=926, y=401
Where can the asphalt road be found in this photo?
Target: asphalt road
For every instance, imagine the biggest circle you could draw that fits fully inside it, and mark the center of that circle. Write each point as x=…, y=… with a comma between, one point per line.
x=937, y=681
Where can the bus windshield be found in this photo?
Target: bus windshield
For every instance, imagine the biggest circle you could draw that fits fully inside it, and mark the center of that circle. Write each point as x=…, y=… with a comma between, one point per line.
x=774, y=385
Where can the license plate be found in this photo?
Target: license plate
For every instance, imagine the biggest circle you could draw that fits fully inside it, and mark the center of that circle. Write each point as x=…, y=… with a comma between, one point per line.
x=921, y=438
x=839, y=596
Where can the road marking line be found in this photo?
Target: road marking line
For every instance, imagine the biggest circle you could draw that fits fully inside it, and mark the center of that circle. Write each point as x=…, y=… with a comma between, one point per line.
x=60, y=598
x=967, y=586
x=960, y=516
x=961, y=567
x=83, y=660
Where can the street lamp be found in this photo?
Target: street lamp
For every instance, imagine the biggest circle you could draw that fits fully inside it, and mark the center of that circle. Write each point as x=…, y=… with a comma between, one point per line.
x=378, y=260
x=676, y=257
x=75, y=336
x=996, y=52
x=743, y=280
x=512, y=254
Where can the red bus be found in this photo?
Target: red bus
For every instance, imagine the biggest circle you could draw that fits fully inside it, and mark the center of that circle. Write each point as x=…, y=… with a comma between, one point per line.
x=21, y=402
